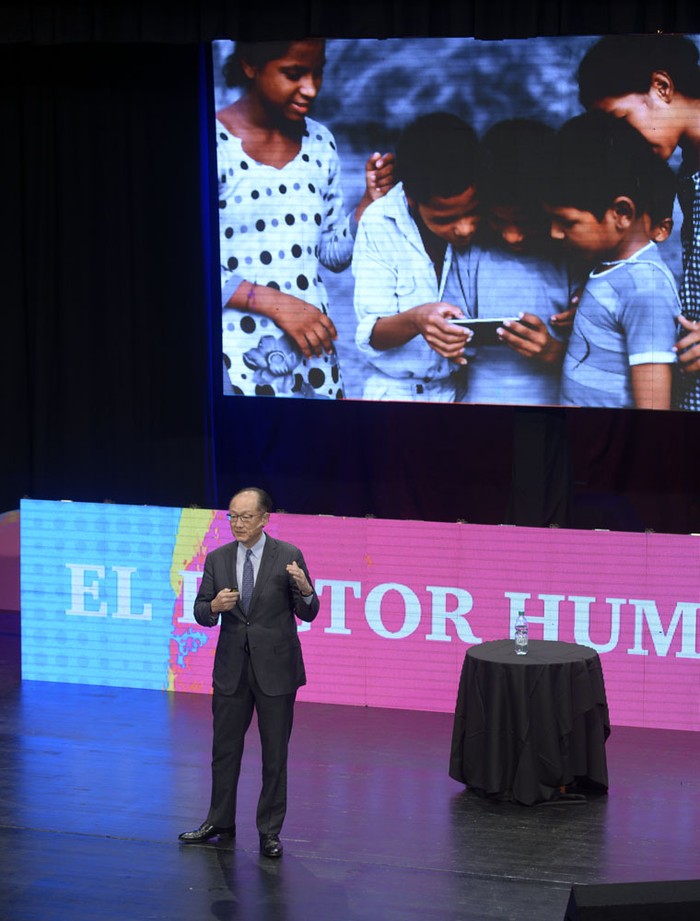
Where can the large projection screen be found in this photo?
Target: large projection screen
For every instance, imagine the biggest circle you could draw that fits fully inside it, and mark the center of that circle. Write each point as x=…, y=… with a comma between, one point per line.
x=371, y=91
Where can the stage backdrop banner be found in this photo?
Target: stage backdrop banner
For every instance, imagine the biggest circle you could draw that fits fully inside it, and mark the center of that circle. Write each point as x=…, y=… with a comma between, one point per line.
x=108, y=590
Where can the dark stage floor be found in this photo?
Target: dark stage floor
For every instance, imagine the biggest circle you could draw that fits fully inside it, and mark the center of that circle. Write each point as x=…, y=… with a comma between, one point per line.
x=98, y=782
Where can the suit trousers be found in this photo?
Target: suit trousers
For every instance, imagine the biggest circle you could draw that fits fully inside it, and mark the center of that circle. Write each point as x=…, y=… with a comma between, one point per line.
x=232, y=716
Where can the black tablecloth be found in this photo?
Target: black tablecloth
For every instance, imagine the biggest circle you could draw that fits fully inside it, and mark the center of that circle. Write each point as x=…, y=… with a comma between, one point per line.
x=527, y=726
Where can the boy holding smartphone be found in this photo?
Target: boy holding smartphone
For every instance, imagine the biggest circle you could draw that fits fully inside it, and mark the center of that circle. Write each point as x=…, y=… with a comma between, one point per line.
x=403, y=251
x=515, y=276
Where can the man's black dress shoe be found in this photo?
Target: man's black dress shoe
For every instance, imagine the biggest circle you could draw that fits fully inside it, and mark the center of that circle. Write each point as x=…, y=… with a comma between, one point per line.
x=204, y=833
x=271, y=846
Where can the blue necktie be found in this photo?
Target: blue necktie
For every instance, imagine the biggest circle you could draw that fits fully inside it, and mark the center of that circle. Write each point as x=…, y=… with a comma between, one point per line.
x=247, y=582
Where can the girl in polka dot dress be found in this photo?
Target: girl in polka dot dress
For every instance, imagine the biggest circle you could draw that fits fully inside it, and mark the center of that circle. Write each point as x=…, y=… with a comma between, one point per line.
x=281, y=214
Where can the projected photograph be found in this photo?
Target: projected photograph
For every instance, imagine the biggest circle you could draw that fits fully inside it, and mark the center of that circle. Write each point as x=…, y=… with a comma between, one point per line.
x=461, y=221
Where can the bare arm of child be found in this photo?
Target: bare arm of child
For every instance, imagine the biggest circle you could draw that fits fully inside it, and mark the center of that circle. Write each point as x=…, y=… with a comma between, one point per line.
x=310, y=328
x=379, y=178
x=651, y=386
x=688, y=348
x=427, y=320
x=530, y=338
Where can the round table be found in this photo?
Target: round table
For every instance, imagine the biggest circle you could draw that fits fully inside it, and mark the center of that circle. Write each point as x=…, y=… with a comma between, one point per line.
x=527, y=728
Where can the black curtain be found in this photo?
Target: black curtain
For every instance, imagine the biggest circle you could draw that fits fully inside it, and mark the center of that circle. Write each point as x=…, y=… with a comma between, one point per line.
x=105, y=350
x=106, y=222
x=186, y=21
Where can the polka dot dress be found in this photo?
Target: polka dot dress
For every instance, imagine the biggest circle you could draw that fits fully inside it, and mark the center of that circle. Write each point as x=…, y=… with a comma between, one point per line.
x=276, y=226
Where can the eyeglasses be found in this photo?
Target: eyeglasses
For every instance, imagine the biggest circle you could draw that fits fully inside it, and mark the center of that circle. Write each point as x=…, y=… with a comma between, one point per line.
x=245, y=517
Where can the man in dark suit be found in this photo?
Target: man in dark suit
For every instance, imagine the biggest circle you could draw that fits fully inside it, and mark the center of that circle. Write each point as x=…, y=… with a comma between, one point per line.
x=256, y=585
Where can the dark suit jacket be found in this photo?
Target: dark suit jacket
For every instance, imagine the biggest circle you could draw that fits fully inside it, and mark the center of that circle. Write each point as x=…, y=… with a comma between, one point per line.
x=269, y=629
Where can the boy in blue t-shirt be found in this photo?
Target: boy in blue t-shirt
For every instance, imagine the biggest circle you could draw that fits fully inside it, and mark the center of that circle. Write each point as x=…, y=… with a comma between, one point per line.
x=515, y=270
x=604, y=194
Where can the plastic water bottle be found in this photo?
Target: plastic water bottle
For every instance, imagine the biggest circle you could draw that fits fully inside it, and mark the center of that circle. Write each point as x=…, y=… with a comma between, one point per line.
x=520, y=635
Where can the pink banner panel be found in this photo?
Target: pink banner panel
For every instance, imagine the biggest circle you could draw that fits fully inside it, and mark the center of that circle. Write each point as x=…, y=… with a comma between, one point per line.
x=402, y=601
x=111, y=589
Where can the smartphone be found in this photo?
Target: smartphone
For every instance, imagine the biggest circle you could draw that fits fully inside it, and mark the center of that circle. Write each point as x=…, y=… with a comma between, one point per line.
x=484, y=330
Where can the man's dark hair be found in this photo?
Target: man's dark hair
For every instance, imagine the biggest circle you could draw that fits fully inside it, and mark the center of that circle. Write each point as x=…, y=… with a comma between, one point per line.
x=516, y=164
x=264, y=500
x=437, y=157
x=621, y=64
x=598, y=158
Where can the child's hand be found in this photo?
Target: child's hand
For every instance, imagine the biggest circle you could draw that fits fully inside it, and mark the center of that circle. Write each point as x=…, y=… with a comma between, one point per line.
x=688, y=348
x=379, y=178
x=379, y=175
x=432, y=321
x=529, y=337
x=565, y=320
x=311, y=329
